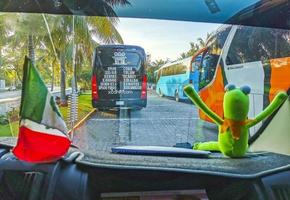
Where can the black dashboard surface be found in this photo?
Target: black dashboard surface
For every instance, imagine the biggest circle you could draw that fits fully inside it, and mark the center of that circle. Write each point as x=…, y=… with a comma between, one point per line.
x=251, y=166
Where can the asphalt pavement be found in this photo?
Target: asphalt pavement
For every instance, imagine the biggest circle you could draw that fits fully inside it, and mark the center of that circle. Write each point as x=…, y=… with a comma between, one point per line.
x=7, y=95
x=11, y=99
x=164, y=122
x=10, y=94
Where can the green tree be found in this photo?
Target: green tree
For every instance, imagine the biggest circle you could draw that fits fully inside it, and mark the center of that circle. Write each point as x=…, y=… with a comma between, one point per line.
x=4, y=38
x=80, y=39
x=203, y=42
x=159, y=62
x=153, y=67
x=86, y=29
x=55, y=38
x=194, y=47
x=85, y=78
x=29, y=26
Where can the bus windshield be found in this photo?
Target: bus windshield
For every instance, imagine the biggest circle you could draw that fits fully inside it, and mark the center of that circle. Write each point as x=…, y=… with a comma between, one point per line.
x=119, y=77
x=119, y=58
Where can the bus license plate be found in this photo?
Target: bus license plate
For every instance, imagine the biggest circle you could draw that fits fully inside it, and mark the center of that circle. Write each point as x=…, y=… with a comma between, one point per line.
x=119, y=103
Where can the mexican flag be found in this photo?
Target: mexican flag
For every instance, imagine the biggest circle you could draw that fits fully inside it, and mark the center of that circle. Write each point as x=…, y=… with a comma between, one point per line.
x=42, y=133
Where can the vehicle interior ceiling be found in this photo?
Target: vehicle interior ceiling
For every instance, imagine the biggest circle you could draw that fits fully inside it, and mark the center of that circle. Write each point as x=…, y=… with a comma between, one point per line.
x=101, y=174
x=263, y=13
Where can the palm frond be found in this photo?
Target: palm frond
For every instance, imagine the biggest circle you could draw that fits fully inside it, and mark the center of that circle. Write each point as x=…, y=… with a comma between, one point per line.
x=103, y=29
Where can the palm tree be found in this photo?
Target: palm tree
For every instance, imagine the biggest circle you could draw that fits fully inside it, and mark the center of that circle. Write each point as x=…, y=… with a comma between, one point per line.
x=203, y=43
x=28, y=26
x=3, y=35
x=13, y=62
x=193, y=48
x=67, y=38
x=12, y=43
x=63, y=39
x=183, y=55
x=158, y=63
x=153, y=67
x=87, y=28
x=58, y=41
x=102, y=28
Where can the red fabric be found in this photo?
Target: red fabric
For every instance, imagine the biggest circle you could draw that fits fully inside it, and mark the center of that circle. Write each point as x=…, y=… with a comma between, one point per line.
x=37, y=147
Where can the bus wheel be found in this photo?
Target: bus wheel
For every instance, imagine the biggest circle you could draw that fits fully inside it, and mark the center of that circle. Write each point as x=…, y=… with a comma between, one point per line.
x=176, y=96
x=160, y=93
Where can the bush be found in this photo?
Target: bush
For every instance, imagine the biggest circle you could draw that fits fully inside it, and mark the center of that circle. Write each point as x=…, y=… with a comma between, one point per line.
x=3, y=120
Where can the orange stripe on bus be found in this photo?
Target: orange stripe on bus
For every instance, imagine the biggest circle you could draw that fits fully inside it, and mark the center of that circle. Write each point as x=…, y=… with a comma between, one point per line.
x=213, y=95
x=280, y=76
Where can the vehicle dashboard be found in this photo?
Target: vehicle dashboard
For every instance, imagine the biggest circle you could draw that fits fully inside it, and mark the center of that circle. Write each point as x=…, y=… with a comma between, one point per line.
x=261, y=175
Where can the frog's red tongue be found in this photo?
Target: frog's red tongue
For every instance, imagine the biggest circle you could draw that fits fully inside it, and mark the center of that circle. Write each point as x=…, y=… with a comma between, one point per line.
x=234, y=126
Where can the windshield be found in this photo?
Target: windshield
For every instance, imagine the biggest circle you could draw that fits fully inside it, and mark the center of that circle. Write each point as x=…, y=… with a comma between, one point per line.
x=79, y=57
x=122, y=58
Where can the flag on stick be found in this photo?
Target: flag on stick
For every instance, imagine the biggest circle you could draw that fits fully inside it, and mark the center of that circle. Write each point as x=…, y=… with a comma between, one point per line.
x=43, y=133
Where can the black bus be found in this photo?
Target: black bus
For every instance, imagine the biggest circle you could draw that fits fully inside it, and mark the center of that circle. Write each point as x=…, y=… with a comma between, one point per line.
x=119, y=78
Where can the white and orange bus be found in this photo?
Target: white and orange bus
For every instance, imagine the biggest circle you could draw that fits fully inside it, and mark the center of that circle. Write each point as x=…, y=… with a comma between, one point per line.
x=242, y=55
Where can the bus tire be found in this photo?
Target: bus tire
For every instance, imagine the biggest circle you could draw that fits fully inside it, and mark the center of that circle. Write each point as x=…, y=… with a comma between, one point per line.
x=176, y=96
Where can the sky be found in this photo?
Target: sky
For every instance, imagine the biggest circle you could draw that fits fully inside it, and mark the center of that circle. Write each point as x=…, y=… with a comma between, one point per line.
x=162, y=39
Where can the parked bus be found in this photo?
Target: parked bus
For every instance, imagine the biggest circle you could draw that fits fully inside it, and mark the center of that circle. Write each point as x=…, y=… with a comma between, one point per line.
x=119, y=77
x=171, y=77
x=254, y=56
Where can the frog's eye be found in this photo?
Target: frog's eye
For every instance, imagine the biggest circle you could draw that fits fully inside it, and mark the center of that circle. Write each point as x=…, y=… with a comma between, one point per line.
x=230, y=87
x=245, y=89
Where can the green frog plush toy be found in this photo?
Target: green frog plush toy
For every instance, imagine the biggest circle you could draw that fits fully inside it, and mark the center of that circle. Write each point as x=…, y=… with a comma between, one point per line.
x=234, y=128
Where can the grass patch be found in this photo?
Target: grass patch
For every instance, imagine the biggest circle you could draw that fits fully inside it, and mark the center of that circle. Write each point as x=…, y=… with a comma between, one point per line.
x=9, y=130
x=84, y=107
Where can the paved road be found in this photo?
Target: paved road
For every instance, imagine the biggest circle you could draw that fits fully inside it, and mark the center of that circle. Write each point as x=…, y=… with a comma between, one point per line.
x=11, y=99
x=163, y=122
x=17, y=93
x=10, y=94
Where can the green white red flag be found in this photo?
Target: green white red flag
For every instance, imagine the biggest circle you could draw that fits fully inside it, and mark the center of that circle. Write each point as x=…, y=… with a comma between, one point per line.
x=42, y=131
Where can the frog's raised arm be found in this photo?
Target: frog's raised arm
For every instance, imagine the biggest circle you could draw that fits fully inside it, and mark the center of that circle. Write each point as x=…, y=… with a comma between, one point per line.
x=274, y=105
x=194, y=97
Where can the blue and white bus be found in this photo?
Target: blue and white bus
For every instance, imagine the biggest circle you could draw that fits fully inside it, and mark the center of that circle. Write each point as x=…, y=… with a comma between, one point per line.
x=171, y=77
